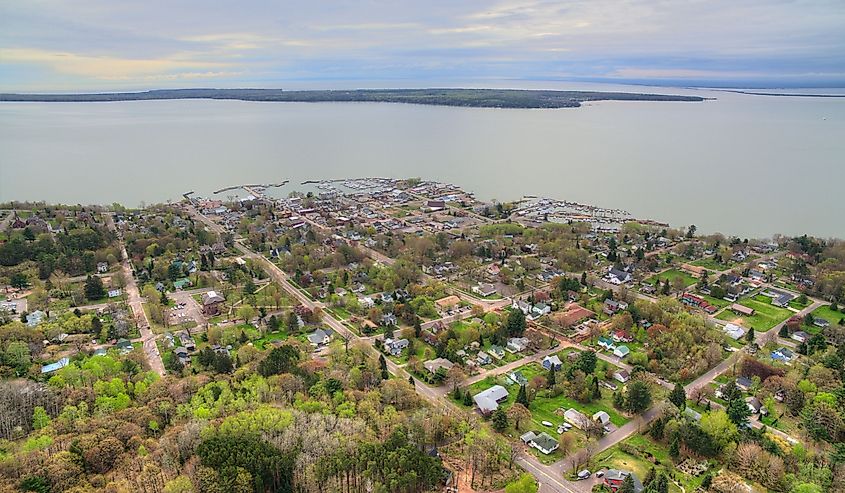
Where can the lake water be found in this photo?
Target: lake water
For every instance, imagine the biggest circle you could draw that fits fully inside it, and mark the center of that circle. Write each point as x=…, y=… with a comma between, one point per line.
x=740, y=164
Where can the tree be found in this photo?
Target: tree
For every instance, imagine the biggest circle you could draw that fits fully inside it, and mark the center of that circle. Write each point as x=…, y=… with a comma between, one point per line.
x=518, y=414
x=246, y=312
x=551, y=378
x=499, y=419
x=383, y=365
x=94, y=289
x=525, y=484
x=19, y=280
x=738, y=411
x=678, y=397
x=638, y=397
x=40, y=419
x=749, y=336
x=516, y=323
x=467, y=399
x=719, y=427
x=627, y=485
x=586, y=362
x=281, y=359
x=522, y=396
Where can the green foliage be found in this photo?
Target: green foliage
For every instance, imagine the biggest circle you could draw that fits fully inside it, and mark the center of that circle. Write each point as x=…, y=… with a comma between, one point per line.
x=40, y=419
x=525, y=484
x=229, y=454
x=282, y=359
x=678, y=396
x=637, y=397
x=499, y=419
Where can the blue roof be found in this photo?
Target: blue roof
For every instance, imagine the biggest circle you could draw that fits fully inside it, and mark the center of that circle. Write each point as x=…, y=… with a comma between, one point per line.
x=58, y=365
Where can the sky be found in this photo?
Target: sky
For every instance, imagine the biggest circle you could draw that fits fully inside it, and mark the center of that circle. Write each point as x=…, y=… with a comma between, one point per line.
x=106, y=45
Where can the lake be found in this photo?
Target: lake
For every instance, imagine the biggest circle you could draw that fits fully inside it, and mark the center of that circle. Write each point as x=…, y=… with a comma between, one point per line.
x=739, y=164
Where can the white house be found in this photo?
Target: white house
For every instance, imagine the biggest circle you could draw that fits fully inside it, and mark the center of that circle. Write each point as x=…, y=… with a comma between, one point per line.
x=488, y=400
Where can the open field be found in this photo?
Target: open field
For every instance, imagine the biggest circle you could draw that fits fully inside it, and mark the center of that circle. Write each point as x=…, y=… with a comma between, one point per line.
x=765, y=315
x=672, y=274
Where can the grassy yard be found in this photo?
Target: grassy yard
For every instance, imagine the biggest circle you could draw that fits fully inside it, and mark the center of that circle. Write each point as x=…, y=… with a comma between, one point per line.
x=765, y=315
x=826, y=313
x=672, y=274
x=711, y=264
x=273, y=336
x=639, y=454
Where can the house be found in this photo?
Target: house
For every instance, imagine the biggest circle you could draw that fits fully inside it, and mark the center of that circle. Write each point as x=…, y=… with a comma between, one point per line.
x=434, y=205
x=496, y=351
x=800, y=336
x=539, y=309
x=9, y=307
x=187, y=341
x=621, y=376
x=124, y=346
x=783, y=354
x=488, y=400
x=447, y=304
x=606, y=343
x=366, y=302
x=522, y=306
x=182, y=354
x=552, y=360
x=395, y=346
x=58, y=365
x=319, y=337
x=435, y=364
x=517, y=344
x=114, y=293
x=742, y=310
x=692, y=413
x=616, y=276
x=576, y=419
x=734, y=331
x=542, y=442
x=614, y=478
x=621, y=351
x=484, y=289
x=612, y=306
x=211, y=303
x=744, y=383
x=181, y=284
x=821, y=322
x=483, y=358
x=35, y=318
x=754, y=405
x=518, y=378
x=602, y=417
x=389, y=319
x=622, y=336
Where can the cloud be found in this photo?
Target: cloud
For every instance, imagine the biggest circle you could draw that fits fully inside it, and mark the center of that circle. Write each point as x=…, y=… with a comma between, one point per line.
x=104, y=67
x=272, y=42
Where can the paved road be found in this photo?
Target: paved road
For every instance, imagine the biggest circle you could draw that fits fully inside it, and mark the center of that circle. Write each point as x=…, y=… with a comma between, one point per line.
x=135, y=302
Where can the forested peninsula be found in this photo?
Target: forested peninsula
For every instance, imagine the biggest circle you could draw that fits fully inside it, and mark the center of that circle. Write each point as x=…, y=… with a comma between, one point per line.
x=476, y=98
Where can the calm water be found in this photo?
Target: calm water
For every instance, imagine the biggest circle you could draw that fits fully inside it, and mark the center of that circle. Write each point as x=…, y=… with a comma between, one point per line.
x=748, y=165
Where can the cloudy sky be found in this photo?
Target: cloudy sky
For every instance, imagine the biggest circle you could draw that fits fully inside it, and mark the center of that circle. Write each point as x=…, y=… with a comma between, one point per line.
x=54, y=45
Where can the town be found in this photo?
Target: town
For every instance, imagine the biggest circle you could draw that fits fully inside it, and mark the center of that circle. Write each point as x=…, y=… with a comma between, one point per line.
x=404, y=333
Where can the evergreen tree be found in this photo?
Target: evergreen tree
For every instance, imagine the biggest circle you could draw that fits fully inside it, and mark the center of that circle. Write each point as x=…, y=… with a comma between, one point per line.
x=551, y=377
x=784, y=331
x=516, y=323
x=499, y=419
x=627, y=485
x=675, y=448
x=94, y=289
x=638, y=397
x=522, y=396
x=467, y=399
x=412, y=381
x=649, y=477
x=749, y=336
x=678, y=397
x=738, y=411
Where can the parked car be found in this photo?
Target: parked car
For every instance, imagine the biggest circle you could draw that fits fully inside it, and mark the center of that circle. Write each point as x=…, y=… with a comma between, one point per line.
x=584, y=474
x=600, y=474
x=548, y=423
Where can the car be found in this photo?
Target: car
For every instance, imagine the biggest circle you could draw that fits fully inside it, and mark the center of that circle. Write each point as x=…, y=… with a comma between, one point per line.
x=561, y=429
x=600, y=474
x=567, y=426
x=547, y=423
x=584, y=474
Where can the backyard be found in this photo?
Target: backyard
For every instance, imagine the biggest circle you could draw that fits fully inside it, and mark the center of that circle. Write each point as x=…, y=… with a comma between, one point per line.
x=765, y=315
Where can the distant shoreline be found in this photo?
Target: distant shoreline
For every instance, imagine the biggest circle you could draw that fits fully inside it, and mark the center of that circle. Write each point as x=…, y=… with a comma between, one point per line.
x=472, y=98
x=788, y=94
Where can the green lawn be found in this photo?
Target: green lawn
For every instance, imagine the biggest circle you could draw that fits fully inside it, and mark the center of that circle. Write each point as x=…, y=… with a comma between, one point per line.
x=826, y=313
x=672, y=274
x=273, y=336
x=640, y=454
x=710, y=264
x=765, y=315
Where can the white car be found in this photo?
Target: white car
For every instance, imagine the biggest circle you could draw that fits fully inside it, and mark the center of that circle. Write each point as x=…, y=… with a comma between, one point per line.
x=584, y=474
x=548, y=423
x=560, y=429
